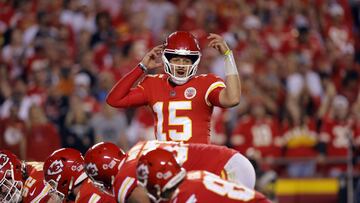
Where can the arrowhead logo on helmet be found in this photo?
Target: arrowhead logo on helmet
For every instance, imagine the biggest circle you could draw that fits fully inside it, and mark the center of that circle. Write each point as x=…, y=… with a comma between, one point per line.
x=142, y=173
x=56, y=167
x=4, y=159
x=92, y=170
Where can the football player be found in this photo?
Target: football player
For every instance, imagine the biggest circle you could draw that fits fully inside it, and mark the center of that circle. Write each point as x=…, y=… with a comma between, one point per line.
x=36, y=189
x=64, y=171
x=217, y=159
x=11, y=177
x=18, y=177
x=165, y=180
x=182, y=102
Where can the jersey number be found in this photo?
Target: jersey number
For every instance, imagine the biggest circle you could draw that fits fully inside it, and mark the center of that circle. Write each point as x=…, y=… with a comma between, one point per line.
x=28, y=184
x=224, y=188
x=179, y=150
x=173, y=120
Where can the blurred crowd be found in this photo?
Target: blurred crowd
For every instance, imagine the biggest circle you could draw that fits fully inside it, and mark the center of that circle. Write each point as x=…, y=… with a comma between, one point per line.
x=299, y=63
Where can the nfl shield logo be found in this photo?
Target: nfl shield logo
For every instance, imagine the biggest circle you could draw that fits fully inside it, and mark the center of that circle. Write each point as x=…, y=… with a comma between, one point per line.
x=190, y=93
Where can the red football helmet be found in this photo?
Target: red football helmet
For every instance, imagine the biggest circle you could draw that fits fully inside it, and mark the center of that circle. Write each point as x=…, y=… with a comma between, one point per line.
x=64, y=170
x=10, y=177
x=181, y=43
x=158, y=172
x=102, y=162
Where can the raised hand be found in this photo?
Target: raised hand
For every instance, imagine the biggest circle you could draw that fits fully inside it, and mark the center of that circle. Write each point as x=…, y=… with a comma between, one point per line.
x=152, y=59
x=217, y=42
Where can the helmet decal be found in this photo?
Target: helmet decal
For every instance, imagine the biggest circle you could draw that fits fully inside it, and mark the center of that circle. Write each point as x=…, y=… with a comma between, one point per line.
x=110, y=165
x=4, y=159
x=91, y=169
x=142, y=173
x=56, y=167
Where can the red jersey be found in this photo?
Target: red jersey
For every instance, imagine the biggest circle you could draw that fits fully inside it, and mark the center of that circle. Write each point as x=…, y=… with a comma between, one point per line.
x=35, y=188
x=13, y=132
x=190, y=156
x=262, y=135
x=335, y=134
x=89, y=193
x=44, y=140
x=202, y=186
x=177, y=108
x=180, y=108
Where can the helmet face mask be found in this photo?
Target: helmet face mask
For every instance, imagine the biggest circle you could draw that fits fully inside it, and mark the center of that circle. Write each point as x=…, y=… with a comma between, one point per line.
x=54, y=191
x=10, y=188
x=181, y=44
x=11, y=184
x=64, y=170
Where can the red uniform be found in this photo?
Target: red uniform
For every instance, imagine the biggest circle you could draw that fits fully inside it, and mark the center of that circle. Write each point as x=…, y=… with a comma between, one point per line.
x=89, y=193
x=190, y=156
x=300, y=140
x=202, y=186
x=182, y=112
x=44, y=140
x=261, y=135
x=12, y=131
x=35, y=188
x=335, y=133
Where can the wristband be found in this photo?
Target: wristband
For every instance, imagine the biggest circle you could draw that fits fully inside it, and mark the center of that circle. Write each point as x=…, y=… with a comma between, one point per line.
x=227, y=52
x=143, y=67
x=230, y=65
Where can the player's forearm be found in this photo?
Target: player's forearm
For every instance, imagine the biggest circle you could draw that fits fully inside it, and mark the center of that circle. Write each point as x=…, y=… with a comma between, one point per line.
x=123, y=87
x=230, y=96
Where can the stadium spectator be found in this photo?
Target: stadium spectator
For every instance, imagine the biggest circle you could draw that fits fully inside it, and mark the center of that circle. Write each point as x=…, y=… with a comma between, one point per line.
x=42, y=137
x=13, y=133
x=109, y=126
x=78, y=132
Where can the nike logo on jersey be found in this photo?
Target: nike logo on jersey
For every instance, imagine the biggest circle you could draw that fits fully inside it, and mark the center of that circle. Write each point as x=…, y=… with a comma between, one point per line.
x=192, y=199
x=32, y=193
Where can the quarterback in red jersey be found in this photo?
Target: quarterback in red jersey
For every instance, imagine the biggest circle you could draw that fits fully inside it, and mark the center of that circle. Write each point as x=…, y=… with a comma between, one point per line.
x=228, y=163
x=182, y=103
x=165, y=180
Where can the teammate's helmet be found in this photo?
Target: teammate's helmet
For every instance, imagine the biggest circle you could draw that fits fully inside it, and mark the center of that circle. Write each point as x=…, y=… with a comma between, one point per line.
x=102, y=162
x=64, y=170
x=158, y=172
x=181, y=43
x=10, y=177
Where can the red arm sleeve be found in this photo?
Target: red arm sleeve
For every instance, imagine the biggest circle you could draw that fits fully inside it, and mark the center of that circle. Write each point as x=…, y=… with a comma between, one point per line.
x=122, y=95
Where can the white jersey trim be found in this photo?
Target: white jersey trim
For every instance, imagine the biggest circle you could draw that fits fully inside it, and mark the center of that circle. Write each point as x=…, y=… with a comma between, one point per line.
x=126, y=184
x=211, y=88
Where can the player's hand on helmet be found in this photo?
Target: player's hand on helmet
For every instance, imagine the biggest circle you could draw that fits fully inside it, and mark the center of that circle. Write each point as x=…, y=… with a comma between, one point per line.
x=217, y=42
x=152, y=59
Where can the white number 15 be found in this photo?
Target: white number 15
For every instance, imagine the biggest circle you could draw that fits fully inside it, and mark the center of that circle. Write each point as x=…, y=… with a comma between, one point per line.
x=173, y=120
